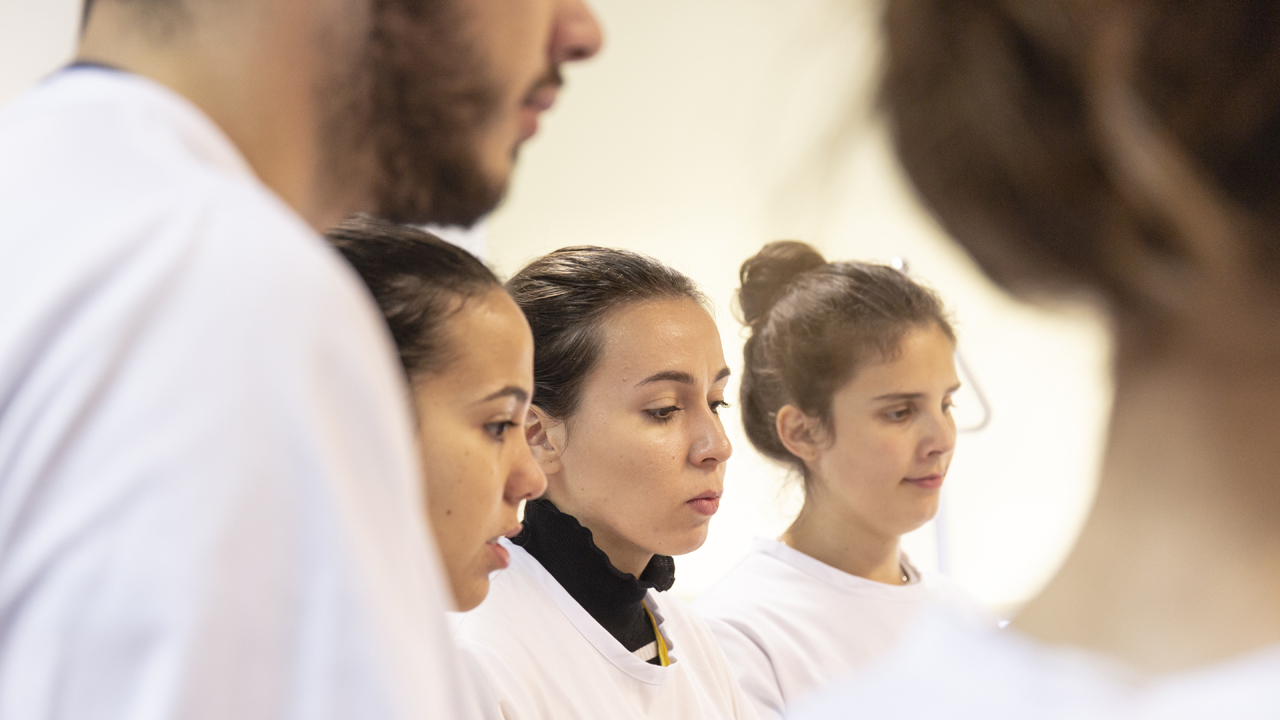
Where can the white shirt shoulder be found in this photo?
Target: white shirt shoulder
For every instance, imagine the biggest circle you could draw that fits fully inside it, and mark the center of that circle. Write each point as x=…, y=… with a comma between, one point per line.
x=789, y=623
x=949, y=666
x=208, y=489
x=543, y=656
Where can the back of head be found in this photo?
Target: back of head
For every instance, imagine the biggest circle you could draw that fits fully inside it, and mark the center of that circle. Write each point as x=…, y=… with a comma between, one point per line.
x=813, y=325
x=567, y=295
x=418, y=281
x=1128, y=148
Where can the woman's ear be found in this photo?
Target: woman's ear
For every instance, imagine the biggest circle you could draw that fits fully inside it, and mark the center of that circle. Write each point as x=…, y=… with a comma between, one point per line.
x=546, y=440
x=802, y=435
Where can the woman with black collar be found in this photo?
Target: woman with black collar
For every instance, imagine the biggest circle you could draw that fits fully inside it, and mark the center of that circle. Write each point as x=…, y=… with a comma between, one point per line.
x=629, y=377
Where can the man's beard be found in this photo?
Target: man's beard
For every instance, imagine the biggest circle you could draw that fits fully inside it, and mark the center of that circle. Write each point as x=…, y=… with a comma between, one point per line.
x=404, y=126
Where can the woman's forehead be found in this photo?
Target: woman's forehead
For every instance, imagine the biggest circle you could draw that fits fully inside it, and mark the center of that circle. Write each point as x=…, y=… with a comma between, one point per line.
x=658, y=336
x=924, y=363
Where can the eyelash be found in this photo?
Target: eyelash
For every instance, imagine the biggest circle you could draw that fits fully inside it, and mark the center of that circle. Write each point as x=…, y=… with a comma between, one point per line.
x=905, y=413
x=663, y=414
x=499, y=429
x=666, y=413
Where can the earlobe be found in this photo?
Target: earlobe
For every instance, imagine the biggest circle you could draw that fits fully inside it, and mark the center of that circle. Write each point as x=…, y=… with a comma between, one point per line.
x=799, y=433
x=545, y=442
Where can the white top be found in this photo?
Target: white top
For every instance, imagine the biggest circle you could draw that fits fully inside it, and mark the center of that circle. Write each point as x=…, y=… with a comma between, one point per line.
x=209, y=497
x=789, y=623
x=544, y=657
x=948, y=667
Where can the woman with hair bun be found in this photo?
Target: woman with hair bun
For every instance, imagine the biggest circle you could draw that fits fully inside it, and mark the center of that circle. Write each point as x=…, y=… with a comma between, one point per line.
x=848, y=380
x=629, y=377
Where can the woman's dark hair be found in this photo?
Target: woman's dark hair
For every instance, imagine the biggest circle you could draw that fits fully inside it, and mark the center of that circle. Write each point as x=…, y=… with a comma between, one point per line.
x=1064, y=144
x=418, y=280
x=566, y=296
x=813, y=325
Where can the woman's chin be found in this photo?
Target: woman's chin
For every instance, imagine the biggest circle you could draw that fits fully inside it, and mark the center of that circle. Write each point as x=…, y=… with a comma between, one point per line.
x=469, y=593
x=915, y=519
x=685, y=543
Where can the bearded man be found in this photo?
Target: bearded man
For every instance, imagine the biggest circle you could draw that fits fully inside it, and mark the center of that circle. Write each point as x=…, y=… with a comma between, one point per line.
x=209, y=496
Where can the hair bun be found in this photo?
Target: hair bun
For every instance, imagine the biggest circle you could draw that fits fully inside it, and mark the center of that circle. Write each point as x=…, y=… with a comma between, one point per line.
x=765, y=276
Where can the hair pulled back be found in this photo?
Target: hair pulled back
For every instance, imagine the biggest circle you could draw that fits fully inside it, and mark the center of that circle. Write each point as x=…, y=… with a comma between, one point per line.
x=567, y=295
x=418, y=280
x=1004, y=114
x=813, y=325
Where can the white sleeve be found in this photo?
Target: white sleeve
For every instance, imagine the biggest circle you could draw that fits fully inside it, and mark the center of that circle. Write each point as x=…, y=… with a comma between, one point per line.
x=209, y=496
x=499, y=690
x=755, y=681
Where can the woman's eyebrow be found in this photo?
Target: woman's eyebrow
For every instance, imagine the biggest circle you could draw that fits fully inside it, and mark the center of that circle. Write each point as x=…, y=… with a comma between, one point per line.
x=519, y=393
x=912, y=396
x=683, y=378
x=678, y=376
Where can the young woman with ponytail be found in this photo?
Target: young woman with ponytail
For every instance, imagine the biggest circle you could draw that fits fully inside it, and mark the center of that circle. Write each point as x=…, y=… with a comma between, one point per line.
x=848, y=379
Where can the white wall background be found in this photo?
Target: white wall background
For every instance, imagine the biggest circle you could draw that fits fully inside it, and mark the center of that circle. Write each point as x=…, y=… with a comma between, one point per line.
x=704, y=130
x=707, y=128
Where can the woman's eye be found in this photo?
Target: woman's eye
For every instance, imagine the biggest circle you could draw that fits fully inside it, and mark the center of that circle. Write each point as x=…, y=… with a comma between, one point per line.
x=899, y=414
x=948, y=406
x=499, y=429
x=663, y=414
x=717, y=405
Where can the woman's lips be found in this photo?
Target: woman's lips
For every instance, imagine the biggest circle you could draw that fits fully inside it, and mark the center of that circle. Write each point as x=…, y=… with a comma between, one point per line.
x=927, y=482
x=706, y=504
x=501, y=557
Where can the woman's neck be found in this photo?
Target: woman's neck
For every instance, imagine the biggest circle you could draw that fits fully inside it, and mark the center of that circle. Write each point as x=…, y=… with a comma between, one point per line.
x=823, y=534
x=1179, y=563
x=622, y=553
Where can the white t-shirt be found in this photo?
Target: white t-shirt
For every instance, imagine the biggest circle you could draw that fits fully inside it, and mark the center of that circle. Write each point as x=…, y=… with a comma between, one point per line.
x=543, y=657
x=789, y=623
x=949, y=667
x=210, y=504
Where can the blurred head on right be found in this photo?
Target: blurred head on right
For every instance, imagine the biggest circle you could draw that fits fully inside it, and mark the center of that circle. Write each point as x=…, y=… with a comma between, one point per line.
x=1129, y=151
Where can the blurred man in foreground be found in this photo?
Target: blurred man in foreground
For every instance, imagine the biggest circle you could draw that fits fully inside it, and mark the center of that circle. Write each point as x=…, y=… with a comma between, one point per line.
x=209, y=503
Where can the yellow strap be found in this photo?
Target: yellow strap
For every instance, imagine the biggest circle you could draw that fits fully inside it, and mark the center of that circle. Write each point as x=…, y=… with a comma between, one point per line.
x=662, y=643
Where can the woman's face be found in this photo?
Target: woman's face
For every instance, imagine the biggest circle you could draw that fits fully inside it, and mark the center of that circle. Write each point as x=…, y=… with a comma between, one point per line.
x=641, y=461
x=475, y=458
x=892, y=437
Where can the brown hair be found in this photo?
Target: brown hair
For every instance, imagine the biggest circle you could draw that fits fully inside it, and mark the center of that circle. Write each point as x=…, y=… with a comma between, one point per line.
x=418, y=280
x=813, y=325
x=566, y=295
x=1085, y=145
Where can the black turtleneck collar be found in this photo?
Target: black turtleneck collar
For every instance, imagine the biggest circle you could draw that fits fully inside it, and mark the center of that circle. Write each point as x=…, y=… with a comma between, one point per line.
x=566, y=549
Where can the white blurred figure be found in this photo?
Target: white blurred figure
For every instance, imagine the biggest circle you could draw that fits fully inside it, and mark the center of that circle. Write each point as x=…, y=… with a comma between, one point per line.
x=210, y=500
x=1125, y=151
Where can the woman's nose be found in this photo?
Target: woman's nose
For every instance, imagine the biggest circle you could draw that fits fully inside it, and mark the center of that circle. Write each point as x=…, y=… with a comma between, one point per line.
x=711, y=447
x=526, y=480
x=941, y=437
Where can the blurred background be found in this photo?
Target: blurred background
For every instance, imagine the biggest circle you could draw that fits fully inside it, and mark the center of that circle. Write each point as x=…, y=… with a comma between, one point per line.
x=709, y=127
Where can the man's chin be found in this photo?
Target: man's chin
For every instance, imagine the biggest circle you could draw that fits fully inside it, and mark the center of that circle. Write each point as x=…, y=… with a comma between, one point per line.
x=461, y=203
